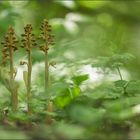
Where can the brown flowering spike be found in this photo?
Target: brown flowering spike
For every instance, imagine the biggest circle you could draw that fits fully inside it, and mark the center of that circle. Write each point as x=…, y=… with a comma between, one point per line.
x=9, y=47
x=9, y=44
x=28, y=40
x=46, y=35
x=48, y=39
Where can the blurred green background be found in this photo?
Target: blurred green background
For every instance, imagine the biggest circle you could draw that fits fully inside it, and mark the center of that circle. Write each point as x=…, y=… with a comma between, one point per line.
x=83, y=29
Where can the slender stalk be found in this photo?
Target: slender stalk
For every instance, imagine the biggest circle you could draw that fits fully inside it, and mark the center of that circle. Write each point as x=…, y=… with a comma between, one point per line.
x=49, y=119
x=46, y=61
x=125, y=86
x=29, y=81
x=14, y=95
x=118, y=69
x=11, y=65
x=46, y=71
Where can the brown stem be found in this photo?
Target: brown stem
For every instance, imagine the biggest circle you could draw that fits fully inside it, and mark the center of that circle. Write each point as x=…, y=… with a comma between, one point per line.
x=46, y=71
x=29, y=81
x=49, y=119
x=29, y=75
x=14, y=95
x=14, y=100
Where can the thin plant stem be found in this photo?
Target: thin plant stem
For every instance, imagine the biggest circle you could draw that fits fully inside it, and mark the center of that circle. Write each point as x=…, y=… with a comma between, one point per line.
x=125, y=86
x=14, y=98
x=118, y=69
x=46, y=71
x=29, y=81
x=29, y=74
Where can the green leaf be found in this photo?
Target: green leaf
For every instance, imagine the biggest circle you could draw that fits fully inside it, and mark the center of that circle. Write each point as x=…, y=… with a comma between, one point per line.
x=79, y=79
x=74, y=91
x=85, y=114
x=62, y=101
x=56, y=89
x=123, y=58
x=133, y=87
x=120, y=83
x=66, y=96
x=116, y=64
x=106, y=91
x=116, y=60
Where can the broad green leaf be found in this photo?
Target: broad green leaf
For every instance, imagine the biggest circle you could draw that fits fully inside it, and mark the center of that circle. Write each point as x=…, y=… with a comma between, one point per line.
x=74, y=91
x=79, y=79
x=106, y=91
x=116, y=60
x=120, y=83
x=133, y=87
x=56, y=89
x=62, y=101
x=66, y=96
x=122, y=58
